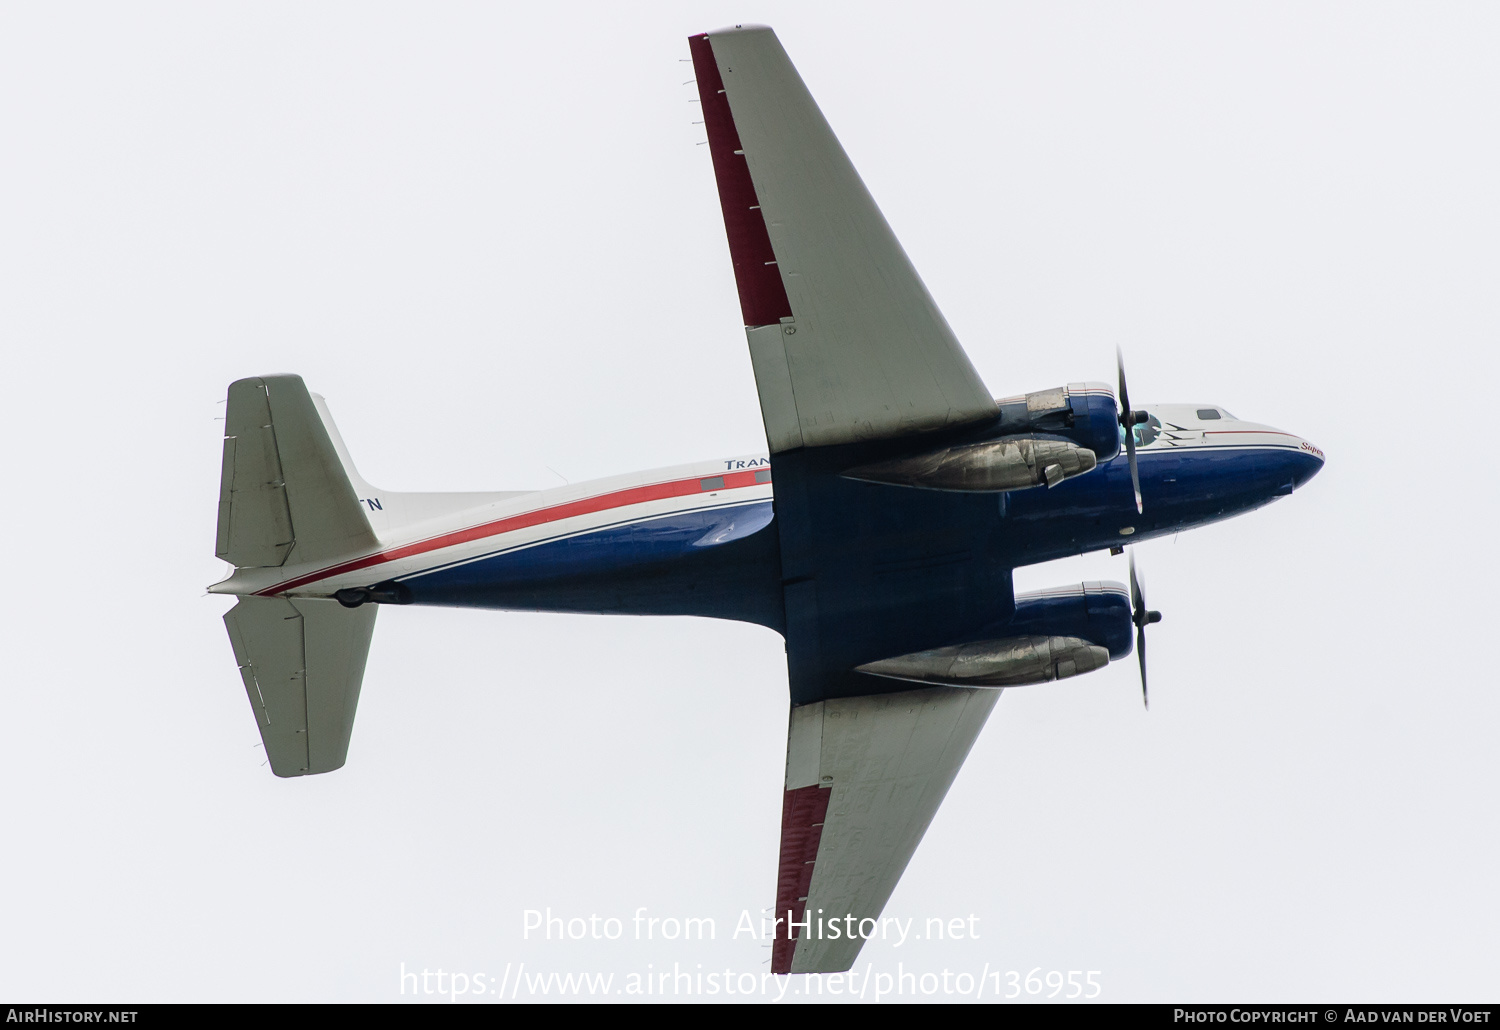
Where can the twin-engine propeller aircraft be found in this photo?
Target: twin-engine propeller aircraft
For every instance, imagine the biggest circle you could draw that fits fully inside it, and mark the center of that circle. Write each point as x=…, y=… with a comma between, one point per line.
x=877, y=535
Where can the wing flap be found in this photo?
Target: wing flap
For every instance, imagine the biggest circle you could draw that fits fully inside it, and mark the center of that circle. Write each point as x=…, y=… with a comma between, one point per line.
x=773, y=382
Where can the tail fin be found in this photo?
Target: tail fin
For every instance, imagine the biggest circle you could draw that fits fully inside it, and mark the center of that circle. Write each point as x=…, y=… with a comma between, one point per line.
x=391, y=511
x=285, y=497
x=302, y=661
x=284, y=494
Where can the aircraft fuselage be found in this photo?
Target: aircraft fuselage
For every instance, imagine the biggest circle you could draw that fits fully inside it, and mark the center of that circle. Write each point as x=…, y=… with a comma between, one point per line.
x=907, y=569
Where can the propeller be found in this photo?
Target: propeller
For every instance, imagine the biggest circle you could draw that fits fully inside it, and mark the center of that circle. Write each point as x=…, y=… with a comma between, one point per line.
x=1128, y=421
x=1142, y=617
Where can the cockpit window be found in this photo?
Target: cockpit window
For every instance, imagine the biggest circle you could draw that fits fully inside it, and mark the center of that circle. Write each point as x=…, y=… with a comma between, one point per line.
x=1208, y=414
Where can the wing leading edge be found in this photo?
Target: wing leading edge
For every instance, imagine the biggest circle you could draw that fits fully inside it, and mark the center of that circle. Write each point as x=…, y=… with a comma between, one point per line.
x=846, y=343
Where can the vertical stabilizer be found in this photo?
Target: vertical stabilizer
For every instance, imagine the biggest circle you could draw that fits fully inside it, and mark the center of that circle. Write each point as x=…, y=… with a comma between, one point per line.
x=389, y=512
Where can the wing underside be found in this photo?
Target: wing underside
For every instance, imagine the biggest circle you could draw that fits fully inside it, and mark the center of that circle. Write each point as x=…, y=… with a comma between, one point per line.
x=849, y=350
x=864, y=778
x=846, y=343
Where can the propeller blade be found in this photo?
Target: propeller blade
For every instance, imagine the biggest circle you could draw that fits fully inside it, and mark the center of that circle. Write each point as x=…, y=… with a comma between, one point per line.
x=1124, y=393
x=1128, y=420
x=1142, y=617
x=1140, y=650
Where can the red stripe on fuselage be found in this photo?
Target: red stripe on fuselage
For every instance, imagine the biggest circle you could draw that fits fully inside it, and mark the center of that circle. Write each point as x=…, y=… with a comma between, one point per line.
x=541, y=516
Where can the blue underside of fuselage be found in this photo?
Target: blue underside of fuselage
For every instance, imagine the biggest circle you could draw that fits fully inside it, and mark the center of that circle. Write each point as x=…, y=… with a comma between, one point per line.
x=720, y=562
x=1180, y=489
x=852, y=571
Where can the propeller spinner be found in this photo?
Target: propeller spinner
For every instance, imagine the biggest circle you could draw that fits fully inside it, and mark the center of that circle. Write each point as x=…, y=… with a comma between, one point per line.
x=1142, y=617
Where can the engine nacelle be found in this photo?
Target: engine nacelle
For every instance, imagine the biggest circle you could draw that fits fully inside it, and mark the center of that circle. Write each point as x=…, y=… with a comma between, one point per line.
x=1009, y=662
x=1052, y=634
x=1084, y=413
x=1097, y=612
x=1009, y=463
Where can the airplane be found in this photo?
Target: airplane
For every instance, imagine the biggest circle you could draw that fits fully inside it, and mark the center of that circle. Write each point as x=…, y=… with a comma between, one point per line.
x=877, y=532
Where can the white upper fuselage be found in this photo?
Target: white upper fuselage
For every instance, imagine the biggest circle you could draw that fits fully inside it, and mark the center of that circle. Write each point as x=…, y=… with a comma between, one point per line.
x=500, y=523
x=1209, y=425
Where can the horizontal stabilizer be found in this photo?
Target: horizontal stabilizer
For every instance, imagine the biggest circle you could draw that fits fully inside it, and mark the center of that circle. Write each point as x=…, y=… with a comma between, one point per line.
x=283, y=494
x=302, y=661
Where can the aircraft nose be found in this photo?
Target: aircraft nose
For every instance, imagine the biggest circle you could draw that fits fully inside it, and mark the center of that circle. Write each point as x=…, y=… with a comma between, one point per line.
x=1309, y=464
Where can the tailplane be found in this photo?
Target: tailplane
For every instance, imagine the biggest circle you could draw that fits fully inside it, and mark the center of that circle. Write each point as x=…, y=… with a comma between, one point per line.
x=284, y=495
x=291, y=496
x=286, y=498
x=302, y=660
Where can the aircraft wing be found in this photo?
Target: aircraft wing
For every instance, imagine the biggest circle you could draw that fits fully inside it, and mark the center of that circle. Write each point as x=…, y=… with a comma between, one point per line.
x=846, y=343
x=864, y=777
x=849, y=352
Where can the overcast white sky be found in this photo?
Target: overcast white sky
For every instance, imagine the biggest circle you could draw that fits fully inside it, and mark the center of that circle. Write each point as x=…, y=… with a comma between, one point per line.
x=486, y=234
